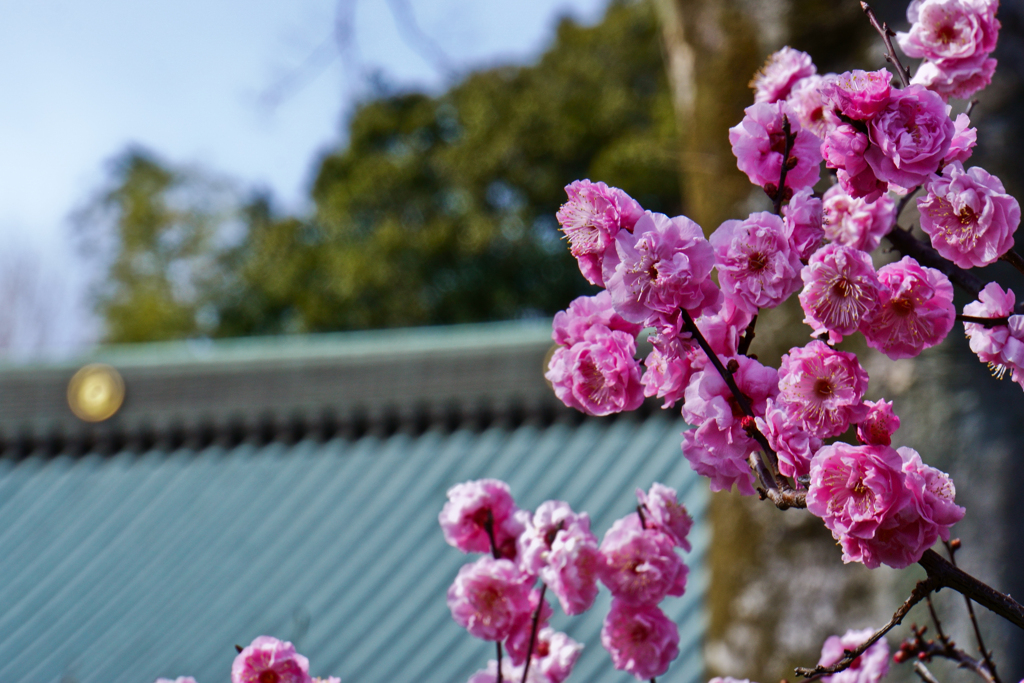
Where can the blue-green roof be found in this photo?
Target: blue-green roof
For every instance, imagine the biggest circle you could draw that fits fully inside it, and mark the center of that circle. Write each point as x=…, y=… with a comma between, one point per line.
x=125, y=568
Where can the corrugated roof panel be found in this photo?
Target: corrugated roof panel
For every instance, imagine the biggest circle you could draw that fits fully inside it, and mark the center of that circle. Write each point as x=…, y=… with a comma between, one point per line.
x=127, y=568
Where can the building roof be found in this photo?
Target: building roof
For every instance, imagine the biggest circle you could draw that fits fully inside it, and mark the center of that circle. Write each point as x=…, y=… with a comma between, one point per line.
x=135, y=561
x=228, y=390
x=122, y=569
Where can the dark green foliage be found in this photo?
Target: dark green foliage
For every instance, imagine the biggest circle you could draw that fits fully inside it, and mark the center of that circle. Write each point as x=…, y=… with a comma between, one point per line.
x=439, y=209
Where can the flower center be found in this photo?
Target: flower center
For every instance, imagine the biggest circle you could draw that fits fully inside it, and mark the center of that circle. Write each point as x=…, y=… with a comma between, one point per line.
x=593, y=381
x=757, y=262
x=967, y=216
x=823, y=388
x=841, y=288
x=946, y=34
x=902, y=307
x=269, y=676
x=777, y=142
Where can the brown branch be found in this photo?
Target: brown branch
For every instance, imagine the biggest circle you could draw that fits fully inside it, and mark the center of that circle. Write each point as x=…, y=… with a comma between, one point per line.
x=1014, y=259
x=950, y=576
x=908, y=245
x=887, y=34
x=920, y=592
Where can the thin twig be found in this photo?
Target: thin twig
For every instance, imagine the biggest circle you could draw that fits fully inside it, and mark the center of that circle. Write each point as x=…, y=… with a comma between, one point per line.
x=935, y=620
x=887, y=34
x=920, y=592
x=985, y=654
x=489, y=527
x=748, y=336
x=985, y=322
x=970, y=107
x=533, y=629
x=922, y=671
x=790, y=138
x=741, y=398
x=500, y=657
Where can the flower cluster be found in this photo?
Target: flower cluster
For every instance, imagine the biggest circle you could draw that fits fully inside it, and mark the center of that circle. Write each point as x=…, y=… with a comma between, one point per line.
x=883, y=505
x=267, y=660
x=780, y=432
x=495, y=598
x=955, y=39
x=1001, y=345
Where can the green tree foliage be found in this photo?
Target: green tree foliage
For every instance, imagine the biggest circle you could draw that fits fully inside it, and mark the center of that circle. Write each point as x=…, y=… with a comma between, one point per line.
x=437, y=210
x=161, y=223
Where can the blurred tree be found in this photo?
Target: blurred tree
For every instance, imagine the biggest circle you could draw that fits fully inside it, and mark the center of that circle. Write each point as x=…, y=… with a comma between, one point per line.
x=437, y=210
x=154, y=228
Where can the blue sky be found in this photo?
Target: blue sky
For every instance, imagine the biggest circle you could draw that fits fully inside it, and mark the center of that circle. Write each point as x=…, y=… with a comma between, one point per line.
x=188, y=79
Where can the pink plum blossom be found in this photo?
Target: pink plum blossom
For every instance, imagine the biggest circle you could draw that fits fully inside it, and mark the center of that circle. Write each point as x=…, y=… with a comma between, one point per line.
x=675, y=357
x=943, y=30
x=780, y=72
x=669, y=367
x=591, y=219
x=723, y=328
x=969, y=216
x=555, y=655
x=666, y=514
x=856, y=489
x=913, y=527
x=759, y=143
x=517, y=644
x=916, y=312
x=570, y=326
x=822, y=388
x=509, y=673
x=1001, y=346
x=965, y=138
x=844, y=149
x=269, y=660
x=598, y=375
x=956, y=80
x=803, y=223
x=558, y=546
x=661, y=266
x=870, y=667
x=841, y=288
x=719, y=445
x=909, y=138
x=793, y=446
x=757, y=267
x=488, y=596
x=640, y=565
x=857, y=94
x=811, y=108
x=640, y=638
x=933, y=492
x=879, y=425
x=955, y=37
x=470, y=505
x=857, y=222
